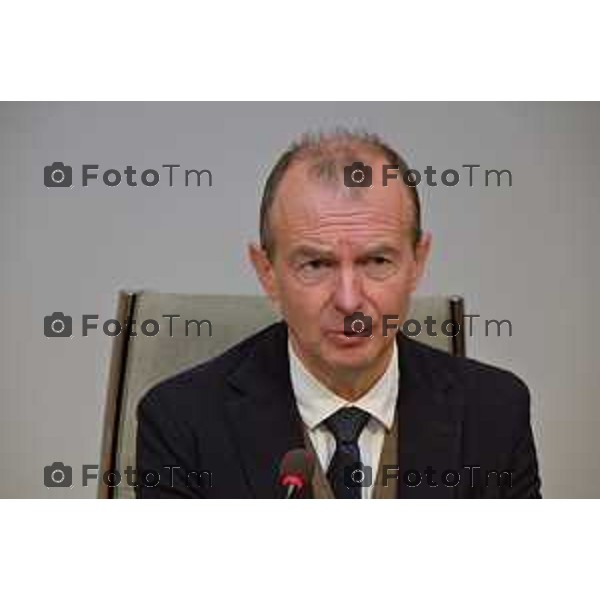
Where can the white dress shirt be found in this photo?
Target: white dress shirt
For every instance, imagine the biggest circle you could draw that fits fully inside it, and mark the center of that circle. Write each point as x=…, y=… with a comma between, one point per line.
x=316, y=402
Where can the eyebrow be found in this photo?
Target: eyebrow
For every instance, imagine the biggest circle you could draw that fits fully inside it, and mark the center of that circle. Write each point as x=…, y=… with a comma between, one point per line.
x=310, y=251
x=306, y=251
x=382, y=249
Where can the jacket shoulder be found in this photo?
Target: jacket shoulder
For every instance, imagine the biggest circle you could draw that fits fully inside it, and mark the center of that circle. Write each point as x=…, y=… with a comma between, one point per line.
x=488, y=381
x=183, y=389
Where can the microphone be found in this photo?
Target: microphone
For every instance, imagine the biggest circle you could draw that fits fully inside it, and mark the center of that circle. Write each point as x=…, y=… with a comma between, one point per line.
x=295, y=470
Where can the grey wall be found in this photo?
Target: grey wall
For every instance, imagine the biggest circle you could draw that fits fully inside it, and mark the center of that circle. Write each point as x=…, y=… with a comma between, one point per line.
x=526, y=253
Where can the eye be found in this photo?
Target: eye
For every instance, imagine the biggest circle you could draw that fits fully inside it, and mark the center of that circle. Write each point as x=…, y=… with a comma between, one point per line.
x=379, y=266
x=378, y=260
x=315, y=264
x=315, y=270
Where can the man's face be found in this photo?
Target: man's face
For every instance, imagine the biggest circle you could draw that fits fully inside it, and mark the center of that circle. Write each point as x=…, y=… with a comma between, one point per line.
x=339, y=251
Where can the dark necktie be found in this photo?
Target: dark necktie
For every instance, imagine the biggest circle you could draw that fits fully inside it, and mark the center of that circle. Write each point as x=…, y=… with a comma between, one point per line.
x=346, y=425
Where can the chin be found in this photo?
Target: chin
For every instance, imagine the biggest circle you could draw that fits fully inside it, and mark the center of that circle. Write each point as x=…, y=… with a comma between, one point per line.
x=355, y=356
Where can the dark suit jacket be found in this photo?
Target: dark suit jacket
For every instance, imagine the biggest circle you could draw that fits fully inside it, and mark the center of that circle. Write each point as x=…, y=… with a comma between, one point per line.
x=235, y=416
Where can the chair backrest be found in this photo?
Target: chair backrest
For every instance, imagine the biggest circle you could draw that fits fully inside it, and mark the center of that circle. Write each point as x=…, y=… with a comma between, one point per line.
x=190, y=329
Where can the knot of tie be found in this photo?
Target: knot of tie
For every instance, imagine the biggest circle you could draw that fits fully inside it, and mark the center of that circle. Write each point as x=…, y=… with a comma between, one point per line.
x=347, y=423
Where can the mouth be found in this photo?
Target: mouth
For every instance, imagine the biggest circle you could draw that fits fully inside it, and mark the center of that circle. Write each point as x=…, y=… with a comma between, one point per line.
x=340, y=338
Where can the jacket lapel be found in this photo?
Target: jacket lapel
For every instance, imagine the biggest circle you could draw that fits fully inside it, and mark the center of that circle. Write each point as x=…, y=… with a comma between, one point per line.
x=430, y=422
x=262, y=412
x=265, y=421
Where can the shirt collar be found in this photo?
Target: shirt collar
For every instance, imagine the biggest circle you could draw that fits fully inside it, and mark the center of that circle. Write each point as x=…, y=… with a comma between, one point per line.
x=316, y=402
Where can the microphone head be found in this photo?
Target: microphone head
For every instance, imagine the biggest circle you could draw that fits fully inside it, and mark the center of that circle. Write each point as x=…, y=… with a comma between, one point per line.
x=296, y=468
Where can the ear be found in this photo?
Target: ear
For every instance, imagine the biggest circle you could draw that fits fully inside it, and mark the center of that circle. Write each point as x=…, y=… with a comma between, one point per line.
x=264, y=271
x=421, y=256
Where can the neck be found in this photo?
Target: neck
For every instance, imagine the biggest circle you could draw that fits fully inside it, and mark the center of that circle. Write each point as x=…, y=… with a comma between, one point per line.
x=349, y=384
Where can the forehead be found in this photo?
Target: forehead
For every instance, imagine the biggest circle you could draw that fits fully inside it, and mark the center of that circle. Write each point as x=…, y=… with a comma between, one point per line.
x=323, y=211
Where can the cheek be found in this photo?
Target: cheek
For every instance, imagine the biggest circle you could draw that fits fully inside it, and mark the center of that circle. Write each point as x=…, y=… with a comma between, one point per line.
x=391, y=297
x=300, y=300
x=406, y=279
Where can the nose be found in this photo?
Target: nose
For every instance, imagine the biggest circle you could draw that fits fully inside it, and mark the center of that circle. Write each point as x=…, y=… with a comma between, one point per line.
x=348, y=295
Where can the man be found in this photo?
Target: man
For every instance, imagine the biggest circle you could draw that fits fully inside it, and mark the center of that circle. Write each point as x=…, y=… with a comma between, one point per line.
x=384, y=415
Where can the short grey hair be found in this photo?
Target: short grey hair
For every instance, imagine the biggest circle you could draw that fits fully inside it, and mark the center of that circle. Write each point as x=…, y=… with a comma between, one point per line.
x=330, y=153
